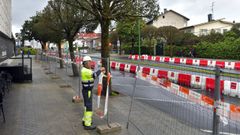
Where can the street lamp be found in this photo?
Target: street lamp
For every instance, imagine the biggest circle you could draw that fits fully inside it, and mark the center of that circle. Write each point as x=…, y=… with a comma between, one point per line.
x=138, y=23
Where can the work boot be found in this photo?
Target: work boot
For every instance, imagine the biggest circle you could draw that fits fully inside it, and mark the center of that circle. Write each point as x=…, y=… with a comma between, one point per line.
x=90, y=127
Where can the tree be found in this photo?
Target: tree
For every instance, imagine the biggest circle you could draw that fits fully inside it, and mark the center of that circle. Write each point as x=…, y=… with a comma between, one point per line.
x=170, y=34
x=107, y=10
x=127, y=30
x=114, y=37
x=26, y=31
x=69, y=20
x=213, y=37
x=187, y=39
x=236, y=29
x=29, y=33
x=149, y=33
x=39, y=28
x=46, y=27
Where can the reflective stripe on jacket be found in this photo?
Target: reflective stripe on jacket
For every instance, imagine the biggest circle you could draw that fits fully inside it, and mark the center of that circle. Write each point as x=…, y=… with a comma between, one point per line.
x=88, y=77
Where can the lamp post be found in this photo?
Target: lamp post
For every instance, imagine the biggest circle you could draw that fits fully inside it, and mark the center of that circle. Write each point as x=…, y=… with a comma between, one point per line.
x=138, y=23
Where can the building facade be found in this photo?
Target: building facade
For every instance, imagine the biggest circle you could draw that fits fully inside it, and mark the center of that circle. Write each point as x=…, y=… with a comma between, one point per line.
x=6, y=40
x=170, y=18
x=5, y=17
x=206, y=28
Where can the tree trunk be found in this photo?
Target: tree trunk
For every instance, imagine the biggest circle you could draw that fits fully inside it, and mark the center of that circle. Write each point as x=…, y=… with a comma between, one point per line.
x=132, y=51
x=43, y=44
x=72, y=55
x=60, y=55
x=171, y=50
x=120, y=47
x=105, y=51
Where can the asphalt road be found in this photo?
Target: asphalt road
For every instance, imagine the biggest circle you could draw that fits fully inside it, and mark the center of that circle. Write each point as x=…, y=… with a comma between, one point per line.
x=193, y=66
x=186, y=111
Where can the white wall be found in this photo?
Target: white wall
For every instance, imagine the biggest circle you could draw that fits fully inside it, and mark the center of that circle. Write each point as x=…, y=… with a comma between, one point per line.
x=217, y=26
x=170, y=19
x=5, y=17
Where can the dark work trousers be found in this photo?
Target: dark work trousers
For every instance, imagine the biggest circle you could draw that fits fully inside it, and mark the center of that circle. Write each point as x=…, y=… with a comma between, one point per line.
x=87, y=97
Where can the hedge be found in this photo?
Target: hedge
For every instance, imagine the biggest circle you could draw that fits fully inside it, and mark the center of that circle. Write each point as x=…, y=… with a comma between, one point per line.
x=26, y=49
x=144, y=50
x=227, y=49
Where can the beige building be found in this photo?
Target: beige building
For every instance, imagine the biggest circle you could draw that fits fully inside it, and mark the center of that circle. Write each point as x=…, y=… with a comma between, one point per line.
x=170, y=18
x=5, y=17
x=219, y=26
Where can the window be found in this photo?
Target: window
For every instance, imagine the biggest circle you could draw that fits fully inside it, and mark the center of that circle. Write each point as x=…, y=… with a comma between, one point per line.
x=218, y=30
x=203, y=31
x=225, y=30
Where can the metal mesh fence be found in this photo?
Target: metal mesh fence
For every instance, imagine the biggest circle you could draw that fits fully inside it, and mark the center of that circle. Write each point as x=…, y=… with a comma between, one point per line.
x=186, y=94
x=169, y=98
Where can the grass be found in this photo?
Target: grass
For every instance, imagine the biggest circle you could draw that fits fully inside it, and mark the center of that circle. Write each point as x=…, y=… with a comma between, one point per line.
x=164, y=65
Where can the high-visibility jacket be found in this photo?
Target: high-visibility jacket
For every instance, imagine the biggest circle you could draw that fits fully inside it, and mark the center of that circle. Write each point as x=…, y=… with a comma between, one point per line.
x=88, y=77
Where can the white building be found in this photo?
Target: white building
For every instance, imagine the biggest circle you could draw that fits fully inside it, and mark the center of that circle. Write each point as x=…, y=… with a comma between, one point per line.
x=5, y=17
x=206, y=28
x=6, y=41
x=170, y=18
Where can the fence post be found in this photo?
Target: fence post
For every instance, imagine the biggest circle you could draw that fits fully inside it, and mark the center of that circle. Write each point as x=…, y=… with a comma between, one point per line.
x=216, y=117
x=80, y=75
x=132, y=96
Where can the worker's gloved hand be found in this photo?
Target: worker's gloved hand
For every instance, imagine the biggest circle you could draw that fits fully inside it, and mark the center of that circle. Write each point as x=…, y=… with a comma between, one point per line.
x=103, y=69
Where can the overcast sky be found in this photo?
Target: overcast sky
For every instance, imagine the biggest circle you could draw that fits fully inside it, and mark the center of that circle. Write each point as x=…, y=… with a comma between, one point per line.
x=195, y=10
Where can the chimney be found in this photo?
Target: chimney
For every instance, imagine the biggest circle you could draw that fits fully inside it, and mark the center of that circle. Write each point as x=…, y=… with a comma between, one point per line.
x=165, y=10
x=210, y=17
x=234, y=21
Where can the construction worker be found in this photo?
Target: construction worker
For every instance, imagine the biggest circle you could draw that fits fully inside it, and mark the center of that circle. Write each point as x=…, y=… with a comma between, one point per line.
x=88, y=77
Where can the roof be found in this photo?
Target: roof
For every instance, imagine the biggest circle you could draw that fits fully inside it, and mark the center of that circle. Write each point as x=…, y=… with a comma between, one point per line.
x=151, y=21
x=219, y=20
x=213, y=21
x=177, y=14
x=188, y=27
x=89, y=35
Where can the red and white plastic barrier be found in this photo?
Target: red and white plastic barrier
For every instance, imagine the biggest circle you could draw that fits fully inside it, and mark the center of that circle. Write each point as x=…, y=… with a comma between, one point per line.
x=189, y=61
x=230, y=88
x=224, y=109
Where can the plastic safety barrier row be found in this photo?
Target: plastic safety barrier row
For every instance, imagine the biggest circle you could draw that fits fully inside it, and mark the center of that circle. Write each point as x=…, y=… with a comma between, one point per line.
x=67, y=60
x=227, y=87
x=189, y=61
x=224, y=109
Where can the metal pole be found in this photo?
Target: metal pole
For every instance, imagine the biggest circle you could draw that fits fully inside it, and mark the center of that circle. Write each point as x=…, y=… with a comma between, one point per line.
x=132, y=97
x=108, y=118
x=80, y=74
x=49, y=64
x=56, y=64
x=66, y=62
x=216, y=117
x=139, y=36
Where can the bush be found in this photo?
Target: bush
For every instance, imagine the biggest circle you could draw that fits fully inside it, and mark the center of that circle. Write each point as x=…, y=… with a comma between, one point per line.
x=227, y=49
x=26, y=49
x=144, y=50
x=178, y=51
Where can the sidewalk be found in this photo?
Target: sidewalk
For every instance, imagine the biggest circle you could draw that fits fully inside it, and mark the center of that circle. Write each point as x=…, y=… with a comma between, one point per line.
x=43, y=108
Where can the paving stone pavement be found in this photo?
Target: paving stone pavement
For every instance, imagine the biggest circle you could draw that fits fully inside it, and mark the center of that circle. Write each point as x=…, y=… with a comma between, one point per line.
x=41, y=107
